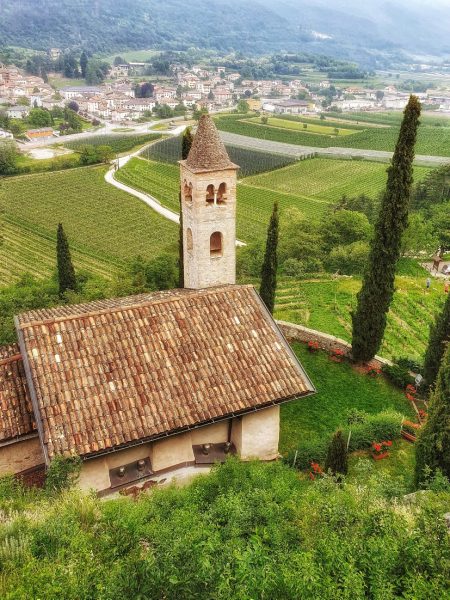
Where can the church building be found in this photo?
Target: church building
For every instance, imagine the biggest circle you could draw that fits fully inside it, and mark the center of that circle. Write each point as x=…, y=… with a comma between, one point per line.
x=159, y=386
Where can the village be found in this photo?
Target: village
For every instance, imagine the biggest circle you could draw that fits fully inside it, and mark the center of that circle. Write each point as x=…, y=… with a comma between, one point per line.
x=127, y=97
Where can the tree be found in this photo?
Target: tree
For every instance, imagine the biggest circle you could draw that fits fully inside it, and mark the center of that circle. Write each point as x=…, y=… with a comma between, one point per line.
x=88, y=155
x=243, y=106
x=269, y=269
x=96, y=71
x=104, y=153
x=39, y=117
x=336, y=460
x=66, y=273
x=433, y=443
x=375, y=296
x=8, y=158
x=144, y=89
x=72, y=120
x=344, y=227
x=83, y=63
x=419, y=236
x=439, y=336
x=186, y=142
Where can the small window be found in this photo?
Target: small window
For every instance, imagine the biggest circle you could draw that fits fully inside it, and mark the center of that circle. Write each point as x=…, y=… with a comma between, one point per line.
x=187, y=191
x=215, y=244
x=210, y=194
x=189, y=240
x=222, y=193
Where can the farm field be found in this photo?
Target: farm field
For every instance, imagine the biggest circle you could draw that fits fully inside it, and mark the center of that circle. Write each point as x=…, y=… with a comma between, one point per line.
x=102, y=223
x=251, y=162
x=118, y=142
x=309, y=185
x=328, y=179
x=431, y=140
x=311, y=128
x=325, y=304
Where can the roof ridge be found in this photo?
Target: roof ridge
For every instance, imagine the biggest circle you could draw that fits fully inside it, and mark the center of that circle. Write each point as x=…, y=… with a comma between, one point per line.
x=113, y=309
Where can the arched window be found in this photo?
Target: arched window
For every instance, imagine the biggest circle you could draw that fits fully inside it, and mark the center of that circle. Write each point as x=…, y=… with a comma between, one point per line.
x=187, y=191
x=222, y=193
x=189, y=240
x=215, y=244
x=210, y=194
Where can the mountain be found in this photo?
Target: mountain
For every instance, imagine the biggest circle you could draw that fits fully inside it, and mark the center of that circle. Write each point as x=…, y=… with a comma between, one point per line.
x=363, y=31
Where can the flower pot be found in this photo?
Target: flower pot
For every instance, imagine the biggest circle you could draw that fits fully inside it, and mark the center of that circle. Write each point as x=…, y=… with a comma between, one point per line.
x=380, y=456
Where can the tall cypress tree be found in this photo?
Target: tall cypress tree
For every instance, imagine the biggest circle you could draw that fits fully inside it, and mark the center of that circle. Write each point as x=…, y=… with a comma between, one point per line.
x=269, y=268
x=375, y=296
x=83, y=64
x=336, y=460
x=186, y=143
x=433, y=443
x=439, y=334
x=66, y=272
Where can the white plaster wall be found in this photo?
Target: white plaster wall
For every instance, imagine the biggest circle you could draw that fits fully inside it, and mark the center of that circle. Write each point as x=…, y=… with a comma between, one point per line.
x=260, y=434
x=21, y=455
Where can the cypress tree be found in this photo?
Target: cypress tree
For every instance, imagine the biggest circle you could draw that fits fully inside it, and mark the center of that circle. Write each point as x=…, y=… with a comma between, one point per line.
x=336, y=460
x=269, y=268
x=83, y=63
x=375, y=296
x=433, y=442
x=66, y=272
x=439, y=334
x=186, y=143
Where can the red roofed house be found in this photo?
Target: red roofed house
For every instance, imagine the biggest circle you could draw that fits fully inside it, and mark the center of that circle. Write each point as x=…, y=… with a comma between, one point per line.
x=156, y=386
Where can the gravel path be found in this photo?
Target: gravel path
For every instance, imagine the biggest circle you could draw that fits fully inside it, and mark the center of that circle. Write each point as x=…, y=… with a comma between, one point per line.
x=307, y=151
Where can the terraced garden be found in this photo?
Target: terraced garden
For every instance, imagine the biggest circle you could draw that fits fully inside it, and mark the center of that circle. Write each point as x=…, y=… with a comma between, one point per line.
x=325, y=304
x=105, y=226
x=431, y=140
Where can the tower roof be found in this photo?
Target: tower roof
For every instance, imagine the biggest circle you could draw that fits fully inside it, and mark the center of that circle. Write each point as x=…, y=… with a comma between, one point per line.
x=208, y=152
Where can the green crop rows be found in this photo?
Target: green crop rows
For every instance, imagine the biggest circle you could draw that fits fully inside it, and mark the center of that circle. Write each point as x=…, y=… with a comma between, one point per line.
x=119, y=143
x=326, y=304
x=104, y=225
x=431, y=140
x=250, y=162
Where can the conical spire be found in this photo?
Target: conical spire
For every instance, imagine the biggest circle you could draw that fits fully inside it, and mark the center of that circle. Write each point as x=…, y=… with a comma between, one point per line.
x=208, y=152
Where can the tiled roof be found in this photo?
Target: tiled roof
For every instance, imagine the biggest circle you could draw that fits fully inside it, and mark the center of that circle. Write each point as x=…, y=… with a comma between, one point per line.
x=208, y=152
x=111, y=372
x=16, y=413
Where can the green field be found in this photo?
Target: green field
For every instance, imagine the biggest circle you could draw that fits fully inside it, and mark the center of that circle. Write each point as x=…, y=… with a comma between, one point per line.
x=327, y=179
x=118, y=142
x=312, y=128
x=431, y=139
x=105, y=226
x=325, y=304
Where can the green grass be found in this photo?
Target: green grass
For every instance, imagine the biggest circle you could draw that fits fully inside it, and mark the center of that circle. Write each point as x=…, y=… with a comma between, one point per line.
x=101, y=222
x=118, y=142
x=431, y=140
x=328, y=179
x=326, y=304
x=312, y=128
x=339, y=388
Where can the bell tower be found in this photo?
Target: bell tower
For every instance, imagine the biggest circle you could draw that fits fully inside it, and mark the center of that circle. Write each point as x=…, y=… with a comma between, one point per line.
x=208, y=203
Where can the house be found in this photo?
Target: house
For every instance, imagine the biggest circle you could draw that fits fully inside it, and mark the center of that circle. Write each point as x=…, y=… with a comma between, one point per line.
x=74, y=91
x=18, y=112
x=157, y=386
x=39, y=134
x=5, y=135
x=286, y=106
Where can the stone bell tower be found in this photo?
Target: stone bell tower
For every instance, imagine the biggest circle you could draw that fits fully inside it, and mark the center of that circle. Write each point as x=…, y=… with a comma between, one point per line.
x=208, y=202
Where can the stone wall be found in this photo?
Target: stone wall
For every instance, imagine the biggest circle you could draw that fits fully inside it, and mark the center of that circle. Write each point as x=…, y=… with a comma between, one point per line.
x=327, y=342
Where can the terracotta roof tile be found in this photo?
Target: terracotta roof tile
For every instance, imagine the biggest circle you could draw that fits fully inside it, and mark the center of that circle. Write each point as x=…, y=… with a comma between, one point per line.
x=16, y=413
x=208, y=152
x=112, y=372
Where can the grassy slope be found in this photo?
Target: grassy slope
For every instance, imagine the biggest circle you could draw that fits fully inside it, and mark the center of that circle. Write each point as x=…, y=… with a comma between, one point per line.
x=339, y=388
x=102, y=222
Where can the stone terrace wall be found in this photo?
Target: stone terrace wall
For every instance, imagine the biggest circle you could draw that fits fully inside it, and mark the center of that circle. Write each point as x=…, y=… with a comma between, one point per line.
x=329, y=343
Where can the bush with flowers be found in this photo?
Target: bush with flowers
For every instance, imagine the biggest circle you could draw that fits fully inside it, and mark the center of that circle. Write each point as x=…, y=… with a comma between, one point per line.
x=313, y=346
x=316, y=470
x=337, y=355
x=381, y=449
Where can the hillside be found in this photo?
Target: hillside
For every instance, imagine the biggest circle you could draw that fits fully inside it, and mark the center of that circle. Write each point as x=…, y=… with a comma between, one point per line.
x=366, y=32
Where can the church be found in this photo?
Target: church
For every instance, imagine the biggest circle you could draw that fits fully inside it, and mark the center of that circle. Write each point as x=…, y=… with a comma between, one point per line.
x=155, y=387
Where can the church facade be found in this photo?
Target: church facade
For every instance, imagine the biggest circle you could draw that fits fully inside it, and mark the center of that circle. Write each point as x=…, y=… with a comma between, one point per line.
x=158, y=386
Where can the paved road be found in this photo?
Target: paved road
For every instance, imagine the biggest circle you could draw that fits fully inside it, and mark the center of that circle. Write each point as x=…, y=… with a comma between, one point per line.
x=306, y=151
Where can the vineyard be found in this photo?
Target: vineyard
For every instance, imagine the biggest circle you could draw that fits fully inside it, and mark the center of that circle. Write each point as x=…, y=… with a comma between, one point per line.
x=118, y=143
x=325, y=304
x=105, y=226
x=328, y=180
x=431, y=140
x=251, y=162
x=308, y=127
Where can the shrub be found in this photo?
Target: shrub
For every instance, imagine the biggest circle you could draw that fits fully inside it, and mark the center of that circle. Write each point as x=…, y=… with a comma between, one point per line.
x=398, y=375
x=355, y=416
x=382, y=426
x=410, y=364
x=350, y=259
x=62, y=473
x=308, y=451
x=292, y=267
x=336, y=460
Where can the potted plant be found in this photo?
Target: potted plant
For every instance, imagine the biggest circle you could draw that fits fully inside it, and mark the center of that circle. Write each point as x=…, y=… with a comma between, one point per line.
x=380, y=450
